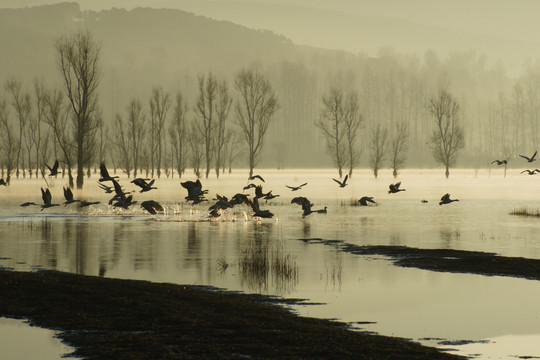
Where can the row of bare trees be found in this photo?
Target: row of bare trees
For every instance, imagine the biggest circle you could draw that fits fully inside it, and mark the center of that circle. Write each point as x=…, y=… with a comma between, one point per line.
x=70, y=122
x=341, y=121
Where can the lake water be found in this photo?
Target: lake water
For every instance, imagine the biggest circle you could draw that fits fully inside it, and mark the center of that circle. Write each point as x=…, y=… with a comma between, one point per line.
x=492, y=317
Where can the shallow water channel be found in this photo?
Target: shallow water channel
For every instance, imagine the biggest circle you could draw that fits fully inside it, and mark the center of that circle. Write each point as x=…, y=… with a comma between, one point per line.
x=488, y=317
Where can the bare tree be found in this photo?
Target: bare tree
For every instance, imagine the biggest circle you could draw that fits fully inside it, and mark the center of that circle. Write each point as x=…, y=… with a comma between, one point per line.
x=331, y=124
x=378, y=146
x=120, y=141
x=399, y=146
x=196, y=146
x=223, y=133
x=22, y=105
x=204, y=110
x=233, y=149
x=254, y=108
x=351, y=124
x=57, y=116
x=39, y=135
x=8, y=142
x=78, y=61
x=447, y=137
x=178, y=133
x=160, y=103
x=137, y=131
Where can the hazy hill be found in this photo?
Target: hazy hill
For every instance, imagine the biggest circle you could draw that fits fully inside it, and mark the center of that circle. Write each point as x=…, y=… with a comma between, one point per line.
x=153, y=45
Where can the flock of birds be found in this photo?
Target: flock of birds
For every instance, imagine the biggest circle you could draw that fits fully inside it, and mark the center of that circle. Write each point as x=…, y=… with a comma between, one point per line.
x=196, y=194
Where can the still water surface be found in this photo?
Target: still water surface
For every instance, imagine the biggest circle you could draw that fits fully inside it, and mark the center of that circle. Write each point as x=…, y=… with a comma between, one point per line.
x=499, y=315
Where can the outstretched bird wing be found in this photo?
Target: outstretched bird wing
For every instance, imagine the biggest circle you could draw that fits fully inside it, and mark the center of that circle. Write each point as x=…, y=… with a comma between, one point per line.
x=525, y=157
x=534, y=155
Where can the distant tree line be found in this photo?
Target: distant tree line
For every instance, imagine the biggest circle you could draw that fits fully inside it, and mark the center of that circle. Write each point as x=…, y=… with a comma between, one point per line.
x=389, y=111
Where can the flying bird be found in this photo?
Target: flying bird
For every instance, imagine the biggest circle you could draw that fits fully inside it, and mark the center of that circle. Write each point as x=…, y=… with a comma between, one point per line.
x=394, y=188
x=257, y=212
x=47, y=199
x=151, y=206
x=365, y=199
x=530, y=159
x=105, y=174
x=530, y=172
x=305, y=203
x=294, y=188
x=500, y=162
x=342, y=183
x=256, y=177
x=28, y=203
x=54, y=170
x=68, y=195
x=195, y=191
x=108, y=189
x=145, y=186
x=85, y=203
x=249, y=186
x=446, y=199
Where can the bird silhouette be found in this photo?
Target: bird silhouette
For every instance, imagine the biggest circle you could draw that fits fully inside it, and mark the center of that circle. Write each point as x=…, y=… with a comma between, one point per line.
x=530, y=172
x=145, y=186
x=84, y=203
x=257, y=212
x=151, y=206
x=365, y=199
x=54, y=170
x=47, y=199
x=195, y=191
x=394, y=188
x=105, y=174
x=259, y=192
x=256, y=177
x=240, y=199
x=500, y=162
x=424, y=201
x=530, y=159
x=322, y=211
x=446, y=199
x=68, y=195
x=305, y=203
x=3, y=182
x=28, y=203
x=249, y=186
x=108, y=189
x=270, y=196
x=342, y=183
x=295, y=188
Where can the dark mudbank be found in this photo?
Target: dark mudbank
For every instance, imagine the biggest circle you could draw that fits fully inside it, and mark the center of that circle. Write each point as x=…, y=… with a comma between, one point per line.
x=447, y=260
x=127, y=319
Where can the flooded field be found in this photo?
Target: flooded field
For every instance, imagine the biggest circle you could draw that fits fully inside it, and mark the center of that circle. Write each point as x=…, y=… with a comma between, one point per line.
x=491, y=317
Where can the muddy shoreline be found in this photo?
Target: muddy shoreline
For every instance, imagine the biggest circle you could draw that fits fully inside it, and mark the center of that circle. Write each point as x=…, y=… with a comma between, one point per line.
x=106, y=318
x=444, y=260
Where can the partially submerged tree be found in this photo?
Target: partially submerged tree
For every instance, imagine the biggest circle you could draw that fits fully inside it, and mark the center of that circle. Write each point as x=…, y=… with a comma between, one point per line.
x=22, y=105
x=351, y=124
x=8, y=142
x=223, y=134
x=331, y=125
x=448, y=136
x=399, y=146
x=160, y=103
x=254, y=109
x=136, y=132
x=57, y=116
x=178, y=132
x=78, y=61
x=206, y=119
x=378, y=147
x=120, y=141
